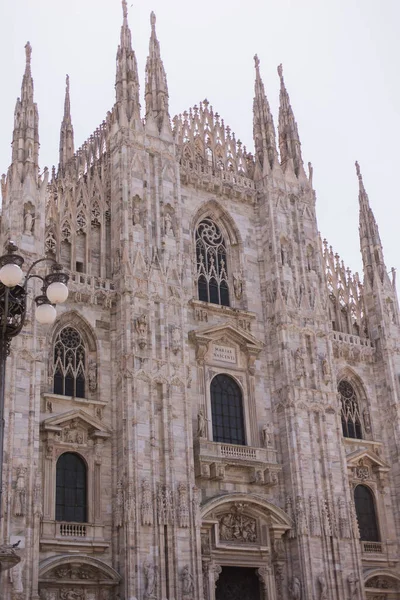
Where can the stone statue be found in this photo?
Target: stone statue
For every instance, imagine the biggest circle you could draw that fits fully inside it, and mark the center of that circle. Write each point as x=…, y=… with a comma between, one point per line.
x=323, y=592
x=20, y=493
x=310, y=173
x=28, y=222
x=187, y=582
x=201, y=424
x=299, y=363
x=354, y=586
x=150, y=577
x=238, y=286
x=16, y=578
x=147, y=503
x=176, y=340
x=92, y=375
x=267, y=435
x=136, y=213
x=295, y=588
x=183, y=506
x=168, y=224
x=141, y=326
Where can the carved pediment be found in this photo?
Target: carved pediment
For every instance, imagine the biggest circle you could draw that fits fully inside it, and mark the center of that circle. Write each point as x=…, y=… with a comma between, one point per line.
x=365, y=463
x=64, y=570
x=227, y=335
x=75, y=426
x=237, y=526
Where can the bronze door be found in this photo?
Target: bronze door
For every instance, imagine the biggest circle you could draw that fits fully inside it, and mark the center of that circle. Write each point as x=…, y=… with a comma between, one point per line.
x=238, y=583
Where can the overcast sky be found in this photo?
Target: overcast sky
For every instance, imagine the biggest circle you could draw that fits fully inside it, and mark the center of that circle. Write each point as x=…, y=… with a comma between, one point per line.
x=340, y=60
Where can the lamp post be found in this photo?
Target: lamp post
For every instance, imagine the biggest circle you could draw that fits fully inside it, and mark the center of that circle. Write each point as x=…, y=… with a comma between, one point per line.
x=13, y=300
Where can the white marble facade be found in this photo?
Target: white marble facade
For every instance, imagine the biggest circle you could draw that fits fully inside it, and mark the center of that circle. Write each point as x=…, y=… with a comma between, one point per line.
x=169, y=509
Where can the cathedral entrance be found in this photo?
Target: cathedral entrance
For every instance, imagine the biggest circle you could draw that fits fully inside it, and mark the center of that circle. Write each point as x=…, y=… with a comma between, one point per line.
x=238, y=583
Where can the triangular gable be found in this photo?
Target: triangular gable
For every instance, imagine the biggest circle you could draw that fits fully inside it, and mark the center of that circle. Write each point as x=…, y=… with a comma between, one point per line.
x=57, y=422
x=229, y=331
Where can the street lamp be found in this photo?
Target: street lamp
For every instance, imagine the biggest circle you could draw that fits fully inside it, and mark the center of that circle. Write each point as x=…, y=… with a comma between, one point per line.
x=13, y=295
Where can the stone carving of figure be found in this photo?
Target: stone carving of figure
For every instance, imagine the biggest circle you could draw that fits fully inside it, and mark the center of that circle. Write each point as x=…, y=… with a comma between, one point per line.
x=176, y=340
x=367, y=420
x=301, y=517
x=141, y=326
x=147, y=503
x=238, y=286
x=72, y=594
x=92, y=374
x=150, y=577
x=354, y=586
x=325, y=369
x=28, y=222
x=344, y=529
x=310, y=173
x=267, y=435
x=315, y=526
x=183, y=505
x=295, y=588
x=119, y=504
x=16, y=578
x=187, y=582
x=201, y=424
x=299, y=363
x=168, y=224
x=136, y=213
x=323, y=592
x=20, y=493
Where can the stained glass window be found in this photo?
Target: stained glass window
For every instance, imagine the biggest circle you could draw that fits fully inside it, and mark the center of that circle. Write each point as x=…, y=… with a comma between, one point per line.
x=212, y=275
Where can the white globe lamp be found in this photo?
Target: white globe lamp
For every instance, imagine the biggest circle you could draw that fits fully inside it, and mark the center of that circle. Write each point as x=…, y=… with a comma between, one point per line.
x=46, y=314
x=11, y=275
x=57, y=292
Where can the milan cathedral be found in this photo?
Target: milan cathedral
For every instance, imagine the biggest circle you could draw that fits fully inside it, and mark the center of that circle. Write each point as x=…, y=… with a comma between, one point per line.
x=216, y=412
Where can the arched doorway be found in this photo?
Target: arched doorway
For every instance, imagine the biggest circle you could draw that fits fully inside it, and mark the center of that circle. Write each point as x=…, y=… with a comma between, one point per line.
x=242, y=547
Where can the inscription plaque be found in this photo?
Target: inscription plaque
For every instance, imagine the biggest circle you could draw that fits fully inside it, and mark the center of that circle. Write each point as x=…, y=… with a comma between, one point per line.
x=224, y=353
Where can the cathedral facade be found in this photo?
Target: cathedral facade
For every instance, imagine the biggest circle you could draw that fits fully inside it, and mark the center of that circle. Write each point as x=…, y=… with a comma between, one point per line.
x=215, y=413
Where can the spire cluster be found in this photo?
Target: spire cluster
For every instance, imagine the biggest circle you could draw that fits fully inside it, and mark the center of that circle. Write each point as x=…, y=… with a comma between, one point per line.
x=263, y=125
x=127, y=80
x=67, y=130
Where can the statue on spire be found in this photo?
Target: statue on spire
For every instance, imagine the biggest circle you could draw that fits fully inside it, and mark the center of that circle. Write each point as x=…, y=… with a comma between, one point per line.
x=28, y=54
x=124, y=9
x=263, y=127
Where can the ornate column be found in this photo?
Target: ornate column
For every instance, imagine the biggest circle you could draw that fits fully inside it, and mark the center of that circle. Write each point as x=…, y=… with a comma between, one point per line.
x=211, y=573
x=266, y=577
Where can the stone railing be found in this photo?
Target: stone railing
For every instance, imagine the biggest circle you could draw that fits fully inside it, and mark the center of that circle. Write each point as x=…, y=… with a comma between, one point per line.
x=215, y=460
x=350, y=338
x=90, y=281
x=71, y=529
x=64, y=535
x=372, y=547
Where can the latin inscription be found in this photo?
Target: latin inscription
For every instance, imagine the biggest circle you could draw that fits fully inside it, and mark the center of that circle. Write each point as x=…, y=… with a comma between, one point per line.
x=224, y=353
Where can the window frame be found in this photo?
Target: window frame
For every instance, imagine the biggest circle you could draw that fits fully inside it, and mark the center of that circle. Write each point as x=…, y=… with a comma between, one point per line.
x=81, y=368
x=375, y=508
x=86, y=488
x=223, y=276
x=244, y=407
x=356, y=400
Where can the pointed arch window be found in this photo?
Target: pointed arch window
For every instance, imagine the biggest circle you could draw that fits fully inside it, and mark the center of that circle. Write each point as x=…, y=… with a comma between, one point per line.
x=366, y=514
x=71, y=488
x=69, y=363
x=350, y=411
x=227, y=411
x=212, y=274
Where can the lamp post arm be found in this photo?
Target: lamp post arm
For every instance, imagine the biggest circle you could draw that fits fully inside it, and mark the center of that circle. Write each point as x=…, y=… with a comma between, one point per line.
x=36, y=262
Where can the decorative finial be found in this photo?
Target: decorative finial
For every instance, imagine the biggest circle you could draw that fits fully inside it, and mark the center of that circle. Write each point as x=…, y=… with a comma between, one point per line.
x=28, y=53
x=256, y=61
x=358, y=171
x=152, y=19
x=67, y=82
x=280, y=72
x=124, y=9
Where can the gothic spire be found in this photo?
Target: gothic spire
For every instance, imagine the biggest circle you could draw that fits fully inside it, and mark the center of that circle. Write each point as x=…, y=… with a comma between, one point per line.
x=263, y=125
x=67, y=130
x=25, y=144
x=289, y=140
x=156, y=82
x=370, y=241
x=127, y=80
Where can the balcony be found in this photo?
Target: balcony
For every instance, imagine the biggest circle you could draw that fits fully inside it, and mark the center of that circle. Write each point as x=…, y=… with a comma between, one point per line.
x=236, y=464
x=372, y=547
x=67, y=536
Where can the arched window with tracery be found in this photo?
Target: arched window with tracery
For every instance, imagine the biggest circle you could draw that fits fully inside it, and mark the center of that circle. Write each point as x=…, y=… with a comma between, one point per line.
x=366, y=514
x=350, y=411
x=212, y=274
x=69, y=367
x=227, y=411
x=71, y=488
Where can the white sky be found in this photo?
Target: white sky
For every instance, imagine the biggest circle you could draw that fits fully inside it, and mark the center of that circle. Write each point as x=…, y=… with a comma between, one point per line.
x=340, y=60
